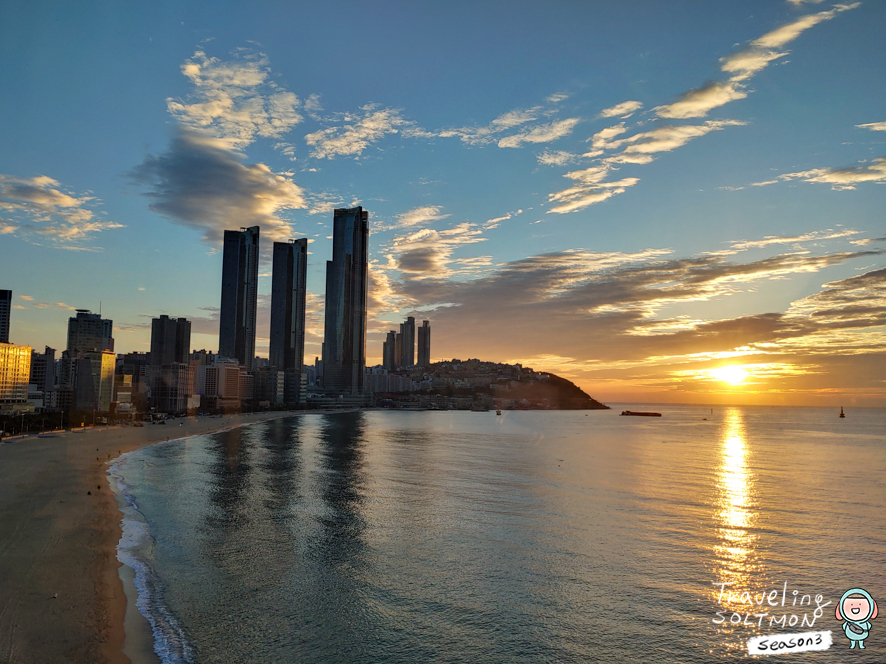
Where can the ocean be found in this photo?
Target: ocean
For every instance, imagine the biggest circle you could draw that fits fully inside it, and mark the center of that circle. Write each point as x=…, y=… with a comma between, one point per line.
x=533, y=536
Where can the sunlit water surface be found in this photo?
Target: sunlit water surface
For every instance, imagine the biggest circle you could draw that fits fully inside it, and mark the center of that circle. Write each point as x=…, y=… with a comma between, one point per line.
x=526, y=537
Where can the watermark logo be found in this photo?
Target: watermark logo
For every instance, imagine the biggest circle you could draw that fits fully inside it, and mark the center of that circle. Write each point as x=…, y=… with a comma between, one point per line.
x=856, y=610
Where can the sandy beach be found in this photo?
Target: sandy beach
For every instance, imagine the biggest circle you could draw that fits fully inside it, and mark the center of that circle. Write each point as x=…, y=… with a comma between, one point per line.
x=61, y=594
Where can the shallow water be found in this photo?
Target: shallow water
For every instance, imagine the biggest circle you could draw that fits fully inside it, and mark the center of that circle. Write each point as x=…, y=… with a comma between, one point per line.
x=539, y=536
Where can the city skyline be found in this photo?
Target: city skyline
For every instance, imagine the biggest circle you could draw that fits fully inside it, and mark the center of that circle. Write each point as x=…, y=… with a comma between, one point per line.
x=656, y=205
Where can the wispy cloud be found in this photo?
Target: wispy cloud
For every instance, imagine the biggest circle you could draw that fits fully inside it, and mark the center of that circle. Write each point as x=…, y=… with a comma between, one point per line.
x=544, y=133
x=743, y=65
x=236, y=100
x=873, y=126
x=623, y=110
x=489, y=224
x=556, y=158
x=839, y=178
x=358, y=131
x=42, y=209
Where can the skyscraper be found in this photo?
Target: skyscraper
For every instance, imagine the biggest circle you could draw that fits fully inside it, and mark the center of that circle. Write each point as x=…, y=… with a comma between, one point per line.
x=387, y=353
x=408, y=340
x=89, y=332
x=170, y=340
x=239, y=296
x=288, y=293
x=344, y=354
x=424, y=344
x=5, y=314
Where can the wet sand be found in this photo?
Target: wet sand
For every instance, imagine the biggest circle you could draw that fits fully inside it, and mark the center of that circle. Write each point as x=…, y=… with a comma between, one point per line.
x=62, y=595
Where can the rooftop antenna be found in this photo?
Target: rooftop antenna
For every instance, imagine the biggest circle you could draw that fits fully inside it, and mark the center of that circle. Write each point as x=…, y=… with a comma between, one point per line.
x=99, y=308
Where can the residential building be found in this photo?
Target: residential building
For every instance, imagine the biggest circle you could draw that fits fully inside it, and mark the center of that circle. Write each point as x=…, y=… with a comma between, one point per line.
x=5, y=315
x=15, y=370
x=170, y=340
x=288, y=295
x=239, y=295
x=407, y=334
x=89, y=332
x=43, y=370
x=424, y=344
x=172, y=388
x=344, y=354
x=387, y=351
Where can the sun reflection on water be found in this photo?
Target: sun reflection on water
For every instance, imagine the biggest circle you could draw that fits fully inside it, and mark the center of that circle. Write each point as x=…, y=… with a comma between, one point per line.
x=736, y=546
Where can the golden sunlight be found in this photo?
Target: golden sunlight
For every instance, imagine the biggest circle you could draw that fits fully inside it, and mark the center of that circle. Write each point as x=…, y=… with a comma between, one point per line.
x=734, y=375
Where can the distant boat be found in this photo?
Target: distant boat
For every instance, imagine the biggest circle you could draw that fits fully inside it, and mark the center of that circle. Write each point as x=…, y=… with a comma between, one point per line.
x=841, y=412
x=638, y=413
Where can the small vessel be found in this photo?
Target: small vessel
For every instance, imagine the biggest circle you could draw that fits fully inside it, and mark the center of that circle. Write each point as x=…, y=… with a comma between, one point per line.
x=841, y=412
x=639, y=413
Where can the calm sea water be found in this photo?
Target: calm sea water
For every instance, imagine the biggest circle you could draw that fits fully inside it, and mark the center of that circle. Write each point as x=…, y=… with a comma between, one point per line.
x=526, y=537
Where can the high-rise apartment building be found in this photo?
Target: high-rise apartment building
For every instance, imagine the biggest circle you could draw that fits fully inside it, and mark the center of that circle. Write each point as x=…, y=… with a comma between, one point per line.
x=387, y=353
x=407, y=331
x=15, y=370
x=424, y=344
x=239, y=296
x=170, y=340
x=288, y=294
x=89, y=332
x=5, y=315
x=344, y=354
x=43, y=369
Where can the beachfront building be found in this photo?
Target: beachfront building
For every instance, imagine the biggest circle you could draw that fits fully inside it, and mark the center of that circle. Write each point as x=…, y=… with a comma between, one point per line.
x=15, y=370
x=172, y=388
x=288, y=295
x=344, y=340
x=239, y=296
x=387, y=351
x=89, y=332
x=5, y=315
x=218, y=385
x=170, y=341
x=43, y=370
x=424, y=344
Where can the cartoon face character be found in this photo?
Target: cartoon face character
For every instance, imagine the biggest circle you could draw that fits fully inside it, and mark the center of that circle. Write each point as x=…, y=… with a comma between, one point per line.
x=856, y=609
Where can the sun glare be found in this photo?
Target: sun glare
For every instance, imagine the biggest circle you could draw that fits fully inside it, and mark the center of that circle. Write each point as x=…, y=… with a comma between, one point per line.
x=734, y=375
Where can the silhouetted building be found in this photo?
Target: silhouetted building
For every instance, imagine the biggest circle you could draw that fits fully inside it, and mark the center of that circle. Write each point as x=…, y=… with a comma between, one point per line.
x=43, y=369
x=288, y=293
x=424, y=344
x=5, y=315
x=387, y=352
x=407, y=331
x=89, y=332
x=239, y=295
x=344, y=355
x=172, y=388
x=170, y=340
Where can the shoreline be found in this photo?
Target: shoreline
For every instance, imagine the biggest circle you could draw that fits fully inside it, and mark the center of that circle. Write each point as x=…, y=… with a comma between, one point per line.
x=60, y=524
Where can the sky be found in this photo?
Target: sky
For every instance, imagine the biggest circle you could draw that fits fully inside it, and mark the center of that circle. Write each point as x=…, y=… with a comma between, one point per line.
x=662, y=202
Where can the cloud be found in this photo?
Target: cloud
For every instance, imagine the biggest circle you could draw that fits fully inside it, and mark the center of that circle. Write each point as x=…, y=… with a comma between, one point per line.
x=482, y=135
x=814, y=236
x=357, y=132
x=427, y=253
x=200, y=185
x=234, y=101
x=600, y=140
x=623, y=110
x=18, y=306
x=839, y=178
x=798, y=3
x=489, y=224
x=420, y=215
x=873, y=126
x=557, y=98
x=741, y=66
x=27, y=298
x=540, y=133
x=42, y=208
x=556, y=158
x=699, y=102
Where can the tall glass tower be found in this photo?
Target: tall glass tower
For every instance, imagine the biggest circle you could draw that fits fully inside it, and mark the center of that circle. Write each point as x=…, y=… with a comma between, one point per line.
x=239, y=296
x=344, y=349
x=288, y=294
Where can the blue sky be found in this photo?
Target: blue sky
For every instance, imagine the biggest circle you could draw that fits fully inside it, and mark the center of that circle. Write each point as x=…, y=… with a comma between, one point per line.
x=634, y=195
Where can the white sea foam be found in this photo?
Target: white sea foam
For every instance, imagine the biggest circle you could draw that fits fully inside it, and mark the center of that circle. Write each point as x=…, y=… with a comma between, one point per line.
x=134, y=550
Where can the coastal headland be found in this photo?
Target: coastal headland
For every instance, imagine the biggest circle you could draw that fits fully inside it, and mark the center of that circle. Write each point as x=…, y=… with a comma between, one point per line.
x=61, y=597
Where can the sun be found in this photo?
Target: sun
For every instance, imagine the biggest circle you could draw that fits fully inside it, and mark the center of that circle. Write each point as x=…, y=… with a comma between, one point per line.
x=734, y=375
